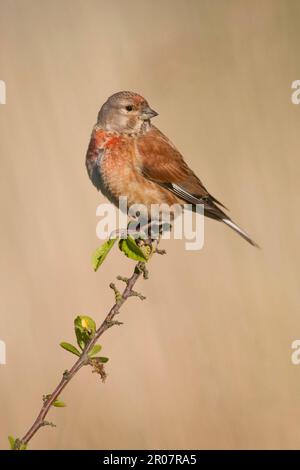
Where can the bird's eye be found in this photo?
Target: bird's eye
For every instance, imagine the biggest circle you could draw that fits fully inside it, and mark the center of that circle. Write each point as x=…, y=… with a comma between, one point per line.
x=129, y=108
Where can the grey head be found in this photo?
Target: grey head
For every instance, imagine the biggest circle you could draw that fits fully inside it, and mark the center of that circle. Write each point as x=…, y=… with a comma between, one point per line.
x=125, y=112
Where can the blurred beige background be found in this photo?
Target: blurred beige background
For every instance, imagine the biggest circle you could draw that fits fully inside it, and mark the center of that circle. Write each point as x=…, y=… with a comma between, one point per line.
x=205, y=361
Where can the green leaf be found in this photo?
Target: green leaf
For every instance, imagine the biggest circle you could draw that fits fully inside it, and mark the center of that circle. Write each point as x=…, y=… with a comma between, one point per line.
x=95, y=349
x=85, y=328
x=104, y=359
x=133, y=251
x=85, y=324
x=23, y=447
x=100, y=254
x=59, y=404
x=69, y=347
x=12, y=441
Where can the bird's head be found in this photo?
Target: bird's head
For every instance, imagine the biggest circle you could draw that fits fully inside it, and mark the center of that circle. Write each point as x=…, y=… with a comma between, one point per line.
x=125, y=112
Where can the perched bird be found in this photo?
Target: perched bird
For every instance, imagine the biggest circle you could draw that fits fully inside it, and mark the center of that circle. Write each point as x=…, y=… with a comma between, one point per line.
x=128, y=156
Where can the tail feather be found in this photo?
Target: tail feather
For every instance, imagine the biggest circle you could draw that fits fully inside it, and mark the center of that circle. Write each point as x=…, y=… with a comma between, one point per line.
x=241, y=232
x=212, y=211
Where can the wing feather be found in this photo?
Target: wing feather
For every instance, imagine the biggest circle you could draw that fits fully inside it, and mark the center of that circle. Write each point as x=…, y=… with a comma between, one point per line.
x=163, y=164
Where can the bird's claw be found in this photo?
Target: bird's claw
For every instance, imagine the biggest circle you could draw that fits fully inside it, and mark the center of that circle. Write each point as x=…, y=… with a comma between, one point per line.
x=125, y=233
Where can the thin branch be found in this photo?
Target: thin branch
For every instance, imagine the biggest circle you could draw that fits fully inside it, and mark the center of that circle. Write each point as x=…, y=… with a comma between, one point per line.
x=84, y=359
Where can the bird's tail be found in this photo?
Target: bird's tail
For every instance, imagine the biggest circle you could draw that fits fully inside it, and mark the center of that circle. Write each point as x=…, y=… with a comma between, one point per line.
x=213, y=211
x=238, y=230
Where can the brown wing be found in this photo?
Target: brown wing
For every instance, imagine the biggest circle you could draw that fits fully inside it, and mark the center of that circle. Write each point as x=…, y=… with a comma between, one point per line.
x=163, y=164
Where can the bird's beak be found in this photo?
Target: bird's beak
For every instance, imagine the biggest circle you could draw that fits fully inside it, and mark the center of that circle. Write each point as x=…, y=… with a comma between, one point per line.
x=148, y=113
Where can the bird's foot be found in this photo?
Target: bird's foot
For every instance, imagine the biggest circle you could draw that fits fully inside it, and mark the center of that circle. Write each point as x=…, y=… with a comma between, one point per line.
x=127, y=232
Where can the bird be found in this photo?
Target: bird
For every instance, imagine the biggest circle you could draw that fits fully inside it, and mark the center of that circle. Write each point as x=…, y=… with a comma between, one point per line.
x=128, y=156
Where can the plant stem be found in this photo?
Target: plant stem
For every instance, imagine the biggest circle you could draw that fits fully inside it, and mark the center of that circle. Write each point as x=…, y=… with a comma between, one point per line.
x=140, y=269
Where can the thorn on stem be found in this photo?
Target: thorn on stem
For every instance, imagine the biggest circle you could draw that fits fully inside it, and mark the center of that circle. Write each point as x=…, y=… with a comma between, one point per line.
x=46, y=398
x=124, y=279
x=144, y=270
x=113, y=323
x=134, y=293
x=48, y=423
x=160, y=252
x=118, y=295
